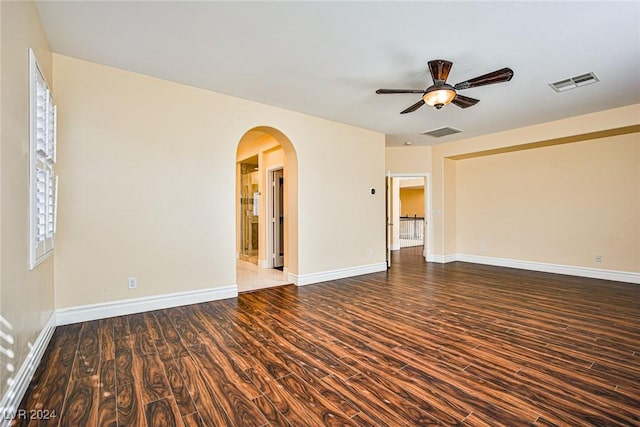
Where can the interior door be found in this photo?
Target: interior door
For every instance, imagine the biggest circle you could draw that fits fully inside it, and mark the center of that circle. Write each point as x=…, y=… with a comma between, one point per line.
x=389, y=222
x=277, y=218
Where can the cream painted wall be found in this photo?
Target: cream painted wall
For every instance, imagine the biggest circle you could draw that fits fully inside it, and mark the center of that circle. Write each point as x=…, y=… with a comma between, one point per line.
x=147, y=170
x=563, y=204
x=443, y=179
x=340, y=223
x=449, y=207
x=411, y=182
x=26, y=297
x=414, y=159
x=257, y=143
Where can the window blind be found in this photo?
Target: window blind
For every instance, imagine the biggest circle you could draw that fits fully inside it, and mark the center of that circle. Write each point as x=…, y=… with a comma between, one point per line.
x=43, y=181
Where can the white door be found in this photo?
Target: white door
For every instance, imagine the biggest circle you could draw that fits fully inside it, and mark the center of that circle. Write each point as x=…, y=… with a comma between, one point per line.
x=389, y=222
x=277, y=217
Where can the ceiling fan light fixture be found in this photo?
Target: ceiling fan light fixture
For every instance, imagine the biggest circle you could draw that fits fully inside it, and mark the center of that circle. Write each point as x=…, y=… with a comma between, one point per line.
x=439, y=96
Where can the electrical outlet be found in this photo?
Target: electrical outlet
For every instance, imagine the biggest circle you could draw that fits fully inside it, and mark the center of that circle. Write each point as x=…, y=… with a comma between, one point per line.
x=133, y=283
x=598, y=258
x=370, y=254
x=483, y=247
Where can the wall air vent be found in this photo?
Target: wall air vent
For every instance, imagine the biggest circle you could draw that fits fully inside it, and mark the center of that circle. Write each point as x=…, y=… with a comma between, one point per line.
x=440, y=132
x=574, y=82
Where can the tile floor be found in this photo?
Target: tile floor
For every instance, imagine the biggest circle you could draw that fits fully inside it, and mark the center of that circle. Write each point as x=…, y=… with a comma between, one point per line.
x=251, y=277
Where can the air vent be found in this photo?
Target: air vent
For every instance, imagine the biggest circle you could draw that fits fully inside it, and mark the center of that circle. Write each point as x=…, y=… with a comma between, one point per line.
x=574, y=82
x=440, y=132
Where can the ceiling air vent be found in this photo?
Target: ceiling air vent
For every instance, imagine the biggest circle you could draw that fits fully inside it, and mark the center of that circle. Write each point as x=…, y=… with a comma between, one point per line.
x=574, y=82
x=440, y=132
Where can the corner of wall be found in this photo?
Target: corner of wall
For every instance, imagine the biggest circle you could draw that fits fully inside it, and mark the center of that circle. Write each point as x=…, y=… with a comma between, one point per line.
x=26, y=296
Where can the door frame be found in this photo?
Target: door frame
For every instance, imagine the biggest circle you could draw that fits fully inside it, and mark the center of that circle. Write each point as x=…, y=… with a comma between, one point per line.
x=428, y=239
x=269, y=206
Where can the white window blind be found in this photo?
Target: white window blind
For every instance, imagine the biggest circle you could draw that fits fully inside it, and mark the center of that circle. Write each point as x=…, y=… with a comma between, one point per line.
x=42, y=152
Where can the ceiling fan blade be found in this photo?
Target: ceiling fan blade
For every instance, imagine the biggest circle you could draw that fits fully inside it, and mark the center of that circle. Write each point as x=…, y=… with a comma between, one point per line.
x=414, y=107
x=383, y=91
x=439, y=70
x=499, y=76
x=464, y=101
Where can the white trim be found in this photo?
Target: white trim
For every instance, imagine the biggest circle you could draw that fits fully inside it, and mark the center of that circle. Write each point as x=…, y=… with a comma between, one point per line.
x=264, y=263
x=571, y=270
x=14, y=394
x=65, y=316
x=341, y=273
x=291, y=277
x=395, y=246
x=442, y=259
x=595, y=273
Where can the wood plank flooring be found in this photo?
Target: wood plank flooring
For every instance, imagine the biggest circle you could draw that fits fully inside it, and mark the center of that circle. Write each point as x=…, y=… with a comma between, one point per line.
x=420, y=345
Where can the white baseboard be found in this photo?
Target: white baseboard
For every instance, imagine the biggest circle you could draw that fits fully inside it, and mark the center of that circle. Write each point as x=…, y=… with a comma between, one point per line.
x=264, y=263
x=85, y=313
x=324, y=276
x=17, y=388
x=395, y=246
x=442, y=259
x=571, y=270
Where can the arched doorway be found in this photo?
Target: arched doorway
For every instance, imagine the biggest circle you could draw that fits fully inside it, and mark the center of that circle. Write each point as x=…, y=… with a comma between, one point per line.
x=266, y=209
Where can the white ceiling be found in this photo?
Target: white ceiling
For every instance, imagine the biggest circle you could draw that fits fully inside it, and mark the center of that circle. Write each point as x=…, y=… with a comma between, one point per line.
x=328, y=58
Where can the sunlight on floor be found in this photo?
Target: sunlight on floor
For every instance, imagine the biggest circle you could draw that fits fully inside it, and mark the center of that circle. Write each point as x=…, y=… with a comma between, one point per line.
x=251, y=277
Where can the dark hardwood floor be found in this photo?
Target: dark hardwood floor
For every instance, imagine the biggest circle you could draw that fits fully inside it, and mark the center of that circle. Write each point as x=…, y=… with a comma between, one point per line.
x=424, y=344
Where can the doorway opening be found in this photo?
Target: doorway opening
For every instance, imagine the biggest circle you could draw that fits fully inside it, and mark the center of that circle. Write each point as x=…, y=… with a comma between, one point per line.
x=266, y=210
x=249, y=209
x=408, y=225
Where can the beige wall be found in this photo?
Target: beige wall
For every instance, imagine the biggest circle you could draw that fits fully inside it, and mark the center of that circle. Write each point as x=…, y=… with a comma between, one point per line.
x=449, y=207
x=412, y=201
x=147, y=170
x=563, y=204
x=26, y=297
x=414, y=159
x=448, y=161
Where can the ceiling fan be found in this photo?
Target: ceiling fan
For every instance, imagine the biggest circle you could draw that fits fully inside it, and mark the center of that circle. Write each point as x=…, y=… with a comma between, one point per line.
x=441, y=94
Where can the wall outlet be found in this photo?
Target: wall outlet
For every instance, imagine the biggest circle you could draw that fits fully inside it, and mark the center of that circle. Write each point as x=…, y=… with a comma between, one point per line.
x=133, y=283
x=598, y=258
x=483, y=247
x=370, y=254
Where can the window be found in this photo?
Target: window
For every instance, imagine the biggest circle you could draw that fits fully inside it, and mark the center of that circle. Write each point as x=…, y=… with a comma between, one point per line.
x=42, y=153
